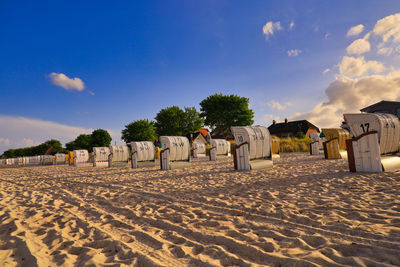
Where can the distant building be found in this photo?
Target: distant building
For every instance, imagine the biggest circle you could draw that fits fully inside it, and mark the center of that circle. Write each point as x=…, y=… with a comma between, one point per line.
x=390, y=107
x=201, y=135
x=291, y=128
x=220, y=134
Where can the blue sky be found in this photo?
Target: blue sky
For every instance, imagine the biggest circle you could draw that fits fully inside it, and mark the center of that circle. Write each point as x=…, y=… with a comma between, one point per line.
x=135, y=57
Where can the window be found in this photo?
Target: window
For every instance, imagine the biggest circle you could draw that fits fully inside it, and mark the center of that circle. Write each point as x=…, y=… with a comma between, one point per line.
x=398, y=112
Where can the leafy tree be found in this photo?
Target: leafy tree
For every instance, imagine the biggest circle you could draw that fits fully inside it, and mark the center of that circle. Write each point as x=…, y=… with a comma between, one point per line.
x=100, y=138
x=139, y=130
x=191, y=121
x=175, y=121
x=223, y=111
x=83, y=141
x=300, y=135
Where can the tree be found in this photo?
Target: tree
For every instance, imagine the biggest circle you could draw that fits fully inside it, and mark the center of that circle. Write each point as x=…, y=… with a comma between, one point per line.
x=223, y=111
x=83, y=141
x=139, y=130
x=174, y=121
x=100, y=138
x=52, y=146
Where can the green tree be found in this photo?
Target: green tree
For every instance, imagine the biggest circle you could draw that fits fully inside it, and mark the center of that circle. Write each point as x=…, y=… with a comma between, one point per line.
x=223, y=111
x=176, y=122
x=139, y=130
x=83, y=141
x=51, y=147
x=100, y=138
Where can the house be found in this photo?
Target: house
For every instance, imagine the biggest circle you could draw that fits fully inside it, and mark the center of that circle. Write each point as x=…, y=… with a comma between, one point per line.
x=220, y=134
x=391, y=107
x=199, y=136
x=291, y=128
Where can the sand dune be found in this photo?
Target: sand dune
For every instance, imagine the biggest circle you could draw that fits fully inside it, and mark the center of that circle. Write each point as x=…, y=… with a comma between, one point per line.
x=306, y=211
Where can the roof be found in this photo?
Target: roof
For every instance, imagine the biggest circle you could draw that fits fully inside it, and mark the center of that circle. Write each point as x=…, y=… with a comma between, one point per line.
x=292, y=127
x=382, y=103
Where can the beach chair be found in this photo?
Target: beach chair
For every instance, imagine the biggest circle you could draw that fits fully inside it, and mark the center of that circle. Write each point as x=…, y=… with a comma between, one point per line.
x=81, y=158
x=46, y=160
x=2, y=162
x=316, y=146
x=220, y=149
x=119, y=156
x=59, y=159
x=100, y=156
x=199, y=149
x=33, y=161
x=375, y=145
x=335, y=144
x=143, y=154
x=254, y=148
x=71, y=158
x=175, y=153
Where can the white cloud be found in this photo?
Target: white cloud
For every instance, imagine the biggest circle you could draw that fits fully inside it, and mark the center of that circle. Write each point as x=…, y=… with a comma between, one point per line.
x=327, y=35
x=356, y=30
x=23, y=132
x=388, y=28
x=270, y=28
x=359, y=47
x=357, y=66
x=346, y=95
x=385, y=51
x=294, y=52
x=278, y=106
x=91, y=93
x=326, y=71
x=65, y=82
x=291, y=25
x=268, y=118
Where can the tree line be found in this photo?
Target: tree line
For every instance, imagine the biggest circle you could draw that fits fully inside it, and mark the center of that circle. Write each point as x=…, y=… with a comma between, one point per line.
x=218, y=112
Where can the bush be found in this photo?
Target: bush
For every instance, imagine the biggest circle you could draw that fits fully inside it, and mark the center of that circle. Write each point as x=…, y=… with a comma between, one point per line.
x=294, y=144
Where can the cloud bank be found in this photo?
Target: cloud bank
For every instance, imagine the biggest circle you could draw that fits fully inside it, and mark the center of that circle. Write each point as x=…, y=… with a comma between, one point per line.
x=23, y=132
x=360, y=82
x=65, y=82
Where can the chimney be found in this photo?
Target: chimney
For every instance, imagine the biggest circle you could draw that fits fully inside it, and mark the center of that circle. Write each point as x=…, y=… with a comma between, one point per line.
x=273, y=122
x=286, y=120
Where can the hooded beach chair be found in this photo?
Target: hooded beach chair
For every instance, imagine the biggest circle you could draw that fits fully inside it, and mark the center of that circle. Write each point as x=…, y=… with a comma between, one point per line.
x=335, y=144
x=199, y=149
x=100, y=156
x=119, y=156
x=220, y=149
x=175, y=153
x=81, y=158
x=375, y=145
x=254, y=148
x=143, y=154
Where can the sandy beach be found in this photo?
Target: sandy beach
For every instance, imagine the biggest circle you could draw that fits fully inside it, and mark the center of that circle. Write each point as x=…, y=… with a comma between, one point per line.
x=306, y=211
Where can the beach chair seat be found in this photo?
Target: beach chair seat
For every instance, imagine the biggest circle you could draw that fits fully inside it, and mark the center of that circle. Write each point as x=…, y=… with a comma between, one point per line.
x=199, y=149
x=143, y=154
x=254, y=148
x=119, y=156
x=100, y=156
x=375, y=145
x=220, y=149
x=175, y=153
x=81, y=158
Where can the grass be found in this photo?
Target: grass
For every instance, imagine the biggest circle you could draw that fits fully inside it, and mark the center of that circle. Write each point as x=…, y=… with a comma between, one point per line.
x=294, y=144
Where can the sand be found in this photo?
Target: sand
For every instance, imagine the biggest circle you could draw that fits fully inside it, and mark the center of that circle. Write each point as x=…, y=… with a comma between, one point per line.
x=306, y=211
